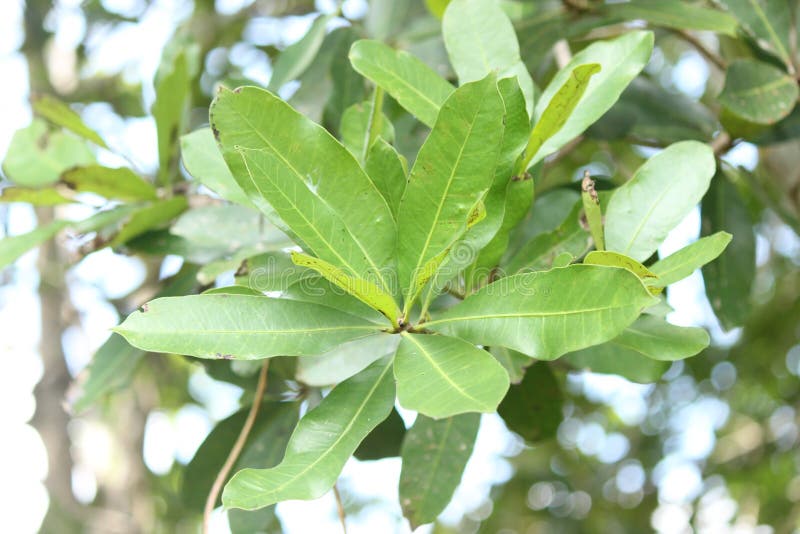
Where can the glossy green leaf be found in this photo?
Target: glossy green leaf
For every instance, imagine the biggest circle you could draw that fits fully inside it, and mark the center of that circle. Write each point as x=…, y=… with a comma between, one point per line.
x=11, y=248
x=758, y=92
x=172, y=90
x=558, y=111
x=60, y=114
x=769, y=21
x=538, y=253
x=320, y=291
x=620, y=59
x=435, y=453
x=729, y=279
x=441, y=376
x=49, y=196
x=344, y=361
x=384, y=441
x=684, y=262
x=547, y=314
x=533, y=407
x=387, y=170
x=480, y=40
x=112, y=183
x=290, y=165
x=240, y=327
x=663, y=191
x=36, y=157
x=453, y=170
x=509, y=197
x=415, y=86
x=322, y=442
x=271, y=271
x=675, y=14
x=364, y=290
x=264, y=447
x=297, y=57
x=356, y=122
x=203, y=160
x=149, y=217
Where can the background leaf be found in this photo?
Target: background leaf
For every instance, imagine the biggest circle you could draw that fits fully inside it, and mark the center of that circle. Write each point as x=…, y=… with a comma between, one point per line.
x=296, y=58
x=758, y=92
x=533, y=407
x=62, y=115
x=434, y=453
x=112, y=183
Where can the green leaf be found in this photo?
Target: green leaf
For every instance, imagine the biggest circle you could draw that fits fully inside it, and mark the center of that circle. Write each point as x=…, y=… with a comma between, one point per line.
x=114, y=363
x=271, y=271
x=203, y=160
x=11, y=248
x=229, y=228
x=60, y=114
x=297, y=57
x=509, y=198
x=657, y=339
x=453, y=170
x=240, y=327
x=480, y=40
x=558, y=111
x=355, y=128
x=322, y=442
x=769, y=21
x=434, y=453
x=49, y=196
x=288, y=164
x=437, y=7
x=631, y=354
x=514, y=362
x=729, y=279
x=387, y=169
x=36, y=157
x=442, y=376
x=346, y=360
x=415, y=86
x=663, y=191
x=620, y=59
x=675, y=14
x=364, y=290
x=386, y=18
x=539, y=253
x=758, y=92
x=149, y=217
x=684, y=262
x=615, y=259
x=384, y=441
x=611, y=359
x=533, y=407
x=348, y=86
x=547, y=314
x=172, y=89
x=318, y=290
x=120, y=184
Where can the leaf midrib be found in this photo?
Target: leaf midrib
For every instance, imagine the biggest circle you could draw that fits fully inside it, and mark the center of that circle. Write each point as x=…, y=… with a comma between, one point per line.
x=525, y=314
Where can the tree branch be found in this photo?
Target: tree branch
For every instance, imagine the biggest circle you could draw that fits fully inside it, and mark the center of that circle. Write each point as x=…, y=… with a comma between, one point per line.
x=222, y=476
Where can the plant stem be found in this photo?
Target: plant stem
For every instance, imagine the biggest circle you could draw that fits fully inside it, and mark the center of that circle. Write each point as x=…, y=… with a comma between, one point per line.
x=222, y=476
x=340, y=509
x=713, y=57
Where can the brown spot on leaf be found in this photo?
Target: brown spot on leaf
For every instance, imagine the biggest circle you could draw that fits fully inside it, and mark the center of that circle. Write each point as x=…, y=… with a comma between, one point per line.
x=145, y=307
x=587, y=186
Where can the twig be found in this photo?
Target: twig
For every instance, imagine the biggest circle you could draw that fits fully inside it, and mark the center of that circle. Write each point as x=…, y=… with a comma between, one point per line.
x=722, y=143
x=340, y=509
x=222, y=476
x=713, y=57
x=562, y=53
